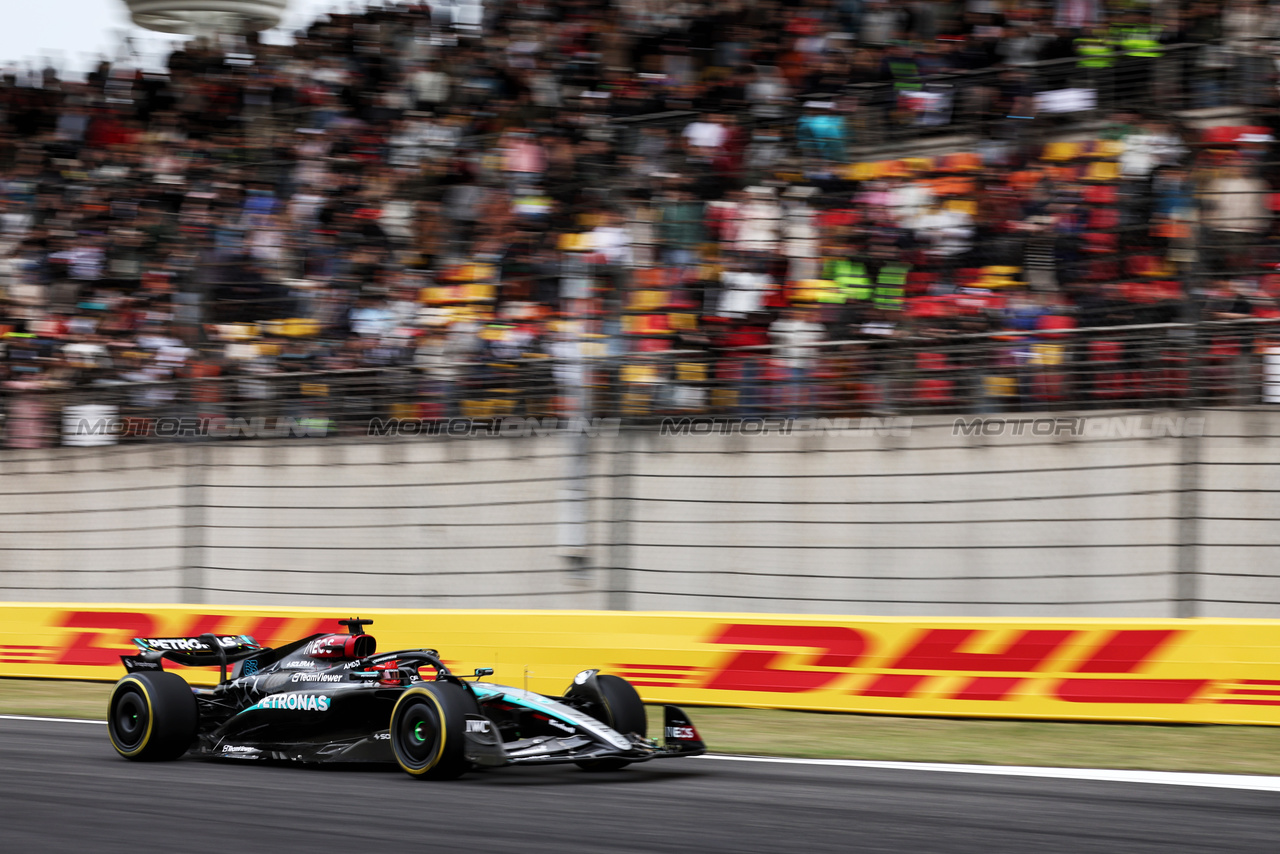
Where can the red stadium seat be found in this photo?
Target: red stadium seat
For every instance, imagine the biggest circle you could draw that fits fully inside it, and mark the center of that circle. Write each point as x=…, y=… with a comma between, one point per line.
x=1100, y=194
x=934, y=386
x=1102, y=219
x=1110, y=380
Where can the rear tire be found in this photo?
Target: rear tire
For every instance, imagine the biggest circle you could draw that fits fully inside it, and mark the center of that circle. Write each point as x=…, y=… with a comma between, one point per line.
x=428, y=726
x=152, y=717
x=623, y=710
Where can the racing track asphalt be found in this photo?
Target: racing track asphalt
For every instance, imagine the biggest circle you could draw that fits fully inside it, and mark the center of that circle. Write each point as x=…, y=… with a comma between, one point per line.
x=64, y=789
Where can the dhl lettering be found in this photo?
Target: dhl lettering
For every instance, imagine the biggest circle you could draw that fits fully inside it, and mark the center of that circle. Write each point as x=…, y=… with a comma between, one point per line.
x=267, y=631
x=939, y=649
x=1130, y=690
x=752, y=670
x=944, y=651
x=1125, y=650
x=989, y=688
x=102, y=636
x=893, y=685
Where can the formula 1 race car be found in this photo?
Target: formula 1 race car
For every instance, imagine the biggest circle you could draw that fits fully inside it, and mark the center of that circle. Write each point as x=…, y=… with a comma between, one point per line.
x=330, y=698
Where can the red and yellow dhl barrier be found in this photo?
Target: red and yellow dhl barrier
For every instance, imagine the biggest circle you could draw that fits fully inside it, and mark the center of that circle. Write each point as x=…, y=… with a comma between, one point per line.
x=1194, y=671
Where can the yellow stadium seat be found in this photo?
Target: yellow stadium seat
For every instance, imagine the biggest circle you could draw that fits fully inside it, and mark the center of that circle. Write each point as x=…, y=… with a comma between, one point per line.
x=1046, y=354
x=683, y=321
x=968, y=206
x=402, y=410
x=1000, y=386
x=575, y=243
x=1001, y=271
x=1103, y=170
x=691, y=372
x=639, y=374
x=919, y=164
x=238, y=331
x=1108, y=148
x=865, y=171
x=635, y=403
x=724, y=398
x=646, y=301
x=299, y=327
x=1057, y=152
x=475, y=409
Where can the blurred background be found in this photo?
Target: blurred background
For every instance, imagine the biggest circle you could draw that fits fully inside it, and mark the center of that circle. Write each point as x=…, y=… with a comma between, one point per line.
x=845, y=209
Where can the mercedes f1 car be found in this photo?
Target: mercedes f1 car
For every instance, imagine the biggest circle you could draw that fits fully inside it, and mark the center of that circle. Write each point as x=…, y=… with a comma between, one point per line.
x=333, y=698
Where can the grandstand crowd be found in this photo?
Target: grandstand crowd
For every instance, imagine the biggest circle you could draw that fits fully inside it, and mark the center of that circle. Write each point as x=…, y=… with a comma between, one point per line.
x=632, y=179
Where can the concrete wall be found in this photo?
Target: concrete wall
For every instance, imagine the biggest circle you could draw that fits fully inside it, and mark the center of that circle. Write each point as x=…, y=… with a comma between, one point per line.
x=919, y=523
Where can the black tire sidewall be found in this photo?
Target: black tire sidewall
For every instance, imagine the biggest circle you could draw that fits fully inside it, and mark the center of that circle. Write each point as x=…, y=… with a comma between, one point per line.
x=624, y=710
x=449, y=705
x=171, y=716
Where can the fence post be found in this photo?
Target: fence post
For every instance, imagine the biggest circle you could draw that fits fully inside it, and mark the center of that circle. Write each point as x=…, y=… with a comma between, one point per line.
x=1186, y=572
x=618, y=583
x=193, y=522
x=1187, y=582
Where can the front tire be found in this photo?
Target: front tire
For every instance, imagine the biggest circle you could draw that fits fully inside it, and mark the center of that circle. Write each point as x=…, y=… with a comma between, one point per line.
x=152, y=717
x=428, y=726
x=622, y=710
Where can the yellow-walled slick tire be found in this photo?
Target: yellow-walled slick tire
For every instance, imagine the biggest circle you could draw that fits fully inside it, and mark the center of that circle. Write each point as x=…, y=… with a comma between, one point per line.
x=428, y=726
x=152, y=716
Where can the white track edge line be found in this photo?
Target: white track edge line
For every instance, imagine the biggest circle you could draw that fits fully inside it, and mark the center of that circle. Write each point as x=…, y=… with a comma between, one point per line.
x=1258, y=783
x=51, y=720
x=1247, y=782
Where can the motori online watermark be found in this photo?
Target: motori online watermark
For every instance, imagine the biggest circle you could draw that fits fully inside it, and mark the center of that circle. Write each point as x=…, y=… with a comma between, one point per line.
x=1084, y=427
x=897, y=427
x=202, y=427
x=509, y=426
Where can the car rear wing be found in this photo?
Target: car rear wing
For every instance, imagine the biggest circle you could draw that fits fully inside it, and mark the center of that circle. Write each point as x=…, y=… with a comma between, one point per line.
x=203, y=651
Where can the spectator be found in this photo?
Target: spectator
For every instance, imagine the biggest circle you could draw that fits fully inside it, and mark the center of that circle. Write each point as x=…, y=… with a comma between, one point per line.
x=795, y=335
x=298, y=211
x=1236, y=215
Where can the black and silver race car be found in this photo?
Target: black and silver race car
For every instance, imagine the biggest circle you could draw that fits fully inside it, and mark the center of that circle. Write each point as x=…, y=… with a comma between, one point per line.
x=333, y=698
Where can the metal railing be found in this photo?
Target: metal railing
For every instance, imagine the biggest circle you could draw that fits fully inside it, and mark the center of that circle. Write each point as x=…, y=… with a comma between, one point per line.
x=1164, y=366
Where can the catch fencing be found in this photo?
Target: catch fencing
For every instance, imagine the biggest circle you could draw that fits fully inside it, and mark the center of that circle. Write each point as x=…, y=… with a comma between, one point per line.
x=1149, y=367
